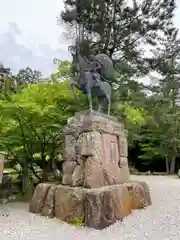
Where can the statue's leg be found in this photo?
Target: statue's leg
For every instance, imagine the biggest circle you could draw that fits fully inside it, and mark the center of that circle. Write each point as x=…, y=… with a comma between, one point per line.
x=109, y=106
x=101, y=102
x=89, y=98
x=108, y=97
x=88, y=87
x=90, y=101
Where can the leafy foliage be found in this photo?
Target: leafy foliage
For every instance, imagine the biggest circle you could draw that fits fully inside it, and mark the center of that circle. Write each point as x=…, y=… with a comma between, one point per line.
x=28, y=76
x=121, y=30
x=31, y=126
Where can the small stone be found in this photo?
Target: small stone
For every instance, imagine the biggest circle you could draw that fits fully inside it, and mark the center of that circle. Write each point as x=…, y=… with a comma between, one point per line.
x=13, y=197
x=78, y=176
x=140, y=194
x=104, y=206
x=48, y=208
x=3, y=200
x=179, y=173
x=6, y=187
x=67, y=179
x=69, y=205
x=39, y=196
x=69, y=166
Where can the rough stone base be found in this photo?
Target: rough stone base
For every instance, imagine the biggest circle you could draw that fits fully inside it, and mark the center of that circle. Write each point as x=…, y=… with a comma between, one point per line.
x=97, y=208
x=96, y=151
x=6, y=189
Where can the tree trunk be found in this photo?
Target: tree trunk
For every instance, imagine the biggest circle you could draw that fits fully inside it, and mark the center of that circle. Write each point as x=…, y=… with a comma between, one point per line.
x=25, y=178
x=27, y=187
x=45, y=174
x=172, y=165
x=167, y=164
x=46, y=171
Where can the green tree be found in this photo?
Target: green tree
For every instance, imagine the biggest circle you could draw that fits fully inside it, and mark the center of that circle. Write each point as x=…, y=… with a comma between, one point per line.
x=7, y=82
x=28, y=76
x=121, y=30
x=164, y=127
x=31, y=128
x=7, y=86
x=63, y=70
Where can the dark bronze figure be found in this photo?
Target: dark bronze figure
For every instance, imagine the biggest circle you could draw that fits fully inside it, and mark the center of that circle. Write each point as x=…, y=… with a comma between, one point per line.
x=91, y=78
x=93, y=75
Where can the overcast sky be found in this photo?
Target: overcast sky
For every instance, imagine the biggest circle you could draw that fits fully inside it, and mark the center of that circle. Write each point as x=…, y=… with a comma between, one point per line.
x=30, y=36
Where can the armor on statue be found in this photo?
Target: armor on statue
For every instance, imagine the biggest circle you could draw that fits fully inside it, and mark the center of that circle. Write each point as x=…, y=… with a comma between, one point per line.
x=93, y=75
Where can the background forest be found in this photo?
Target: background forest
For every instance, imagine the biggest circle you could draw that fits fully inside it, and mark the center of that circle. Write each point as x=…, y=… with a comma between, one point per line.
x=144, y=44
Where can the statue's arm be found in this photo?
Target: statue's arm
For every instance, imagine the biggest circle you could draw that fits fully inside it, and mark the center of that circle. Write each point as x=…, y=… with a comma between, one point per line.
x=98, y=66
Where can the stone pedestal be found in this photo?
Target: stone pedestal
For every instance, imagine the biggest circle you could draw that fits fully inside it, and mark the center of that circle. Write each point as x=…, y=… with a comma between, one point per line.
x=95, y=151
x=96, y=186
x=96, y=208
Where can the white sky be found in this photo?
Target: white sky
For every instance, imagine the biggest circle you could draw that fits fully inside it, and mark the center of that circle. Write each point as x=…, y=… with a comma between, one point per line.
x=34, y=18
x=29, y=34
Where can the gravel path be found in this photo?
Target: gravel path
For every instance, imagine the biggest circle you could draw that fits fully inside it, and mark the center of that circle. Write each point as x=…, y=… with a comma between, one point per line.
x=159, y=222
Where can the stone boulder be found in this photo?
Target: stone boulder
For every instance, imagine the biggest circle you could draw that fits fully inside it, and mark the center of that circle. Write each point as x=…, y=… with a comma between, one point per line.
x=69, y=203
x=6, y=187
x=48, y=209
x=106, y=205
x=39, y=197
x=97, y=207
x=179, y=173
x=139, y=193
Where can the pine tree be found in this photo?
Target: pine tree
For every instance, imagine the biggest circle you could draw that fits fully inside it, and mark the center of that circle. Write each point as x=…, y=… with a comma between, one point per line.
x=166, y=110
x=122, y=30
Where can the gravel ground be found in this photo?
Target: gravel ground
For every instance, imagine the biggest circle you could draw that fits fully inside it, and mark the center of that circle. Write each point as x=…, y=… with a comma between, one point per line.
x=161, y=221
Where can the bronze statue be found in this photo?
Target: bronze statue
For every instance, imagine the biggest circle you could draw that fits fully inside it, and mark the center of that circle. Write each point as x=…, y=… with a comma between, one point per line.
x=94, y=74
x=92, y=77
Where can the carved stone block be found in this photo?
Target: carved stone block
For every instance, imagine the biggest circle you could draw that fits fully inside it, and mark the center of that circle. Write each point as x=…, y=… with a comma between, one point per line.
x=97, y=143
